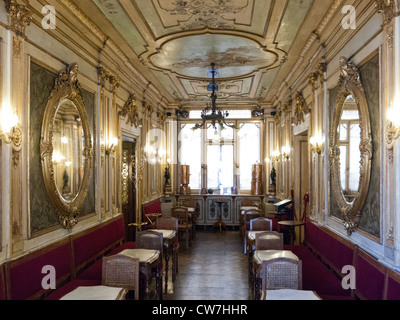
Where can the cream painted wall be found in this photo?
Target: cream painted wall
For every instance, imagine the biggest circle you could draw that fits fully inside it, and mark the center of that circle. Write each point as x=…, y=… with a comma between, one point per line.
x=54, y=50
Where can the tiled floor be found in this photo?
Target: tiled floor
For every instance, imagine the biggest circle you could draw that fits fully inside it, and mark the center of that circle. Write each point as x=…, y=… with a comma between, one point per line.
x=213, y=268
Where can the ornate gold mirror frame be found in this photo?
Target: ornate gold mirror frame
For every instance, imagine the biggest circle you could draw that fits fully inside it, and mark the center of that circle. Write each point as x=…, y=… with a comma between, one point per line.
x=66, y=87
x=350, y=84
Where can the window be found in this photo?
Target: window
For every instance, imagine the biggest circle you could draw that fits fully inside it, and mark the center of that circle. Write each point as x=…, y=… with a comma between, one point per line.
x=221, y=151
x=191, y=153
x=249, y=152
x=350, y=154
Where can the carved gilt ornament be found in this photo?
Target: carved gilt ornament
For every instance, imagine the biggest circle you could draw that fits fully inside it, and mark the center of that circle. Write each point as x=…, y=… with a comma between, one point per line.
x=301, y=109
x=130, y=110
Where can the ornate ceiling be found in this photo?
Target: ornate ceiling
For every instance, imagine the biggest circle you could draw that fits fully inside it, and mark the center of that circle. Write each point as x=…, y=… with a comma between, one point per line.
x=253, y=43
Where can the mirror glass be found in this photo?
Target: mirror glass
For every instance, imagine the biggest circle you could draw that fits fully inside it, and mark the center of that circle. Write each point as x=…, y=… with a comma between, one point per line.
x=68, y=144
x=350, y=154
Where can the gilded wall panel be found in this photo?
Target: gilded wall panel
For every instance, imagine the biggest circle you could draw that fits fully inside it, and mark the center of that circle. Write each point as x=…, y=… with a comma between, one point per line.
x=370, y=218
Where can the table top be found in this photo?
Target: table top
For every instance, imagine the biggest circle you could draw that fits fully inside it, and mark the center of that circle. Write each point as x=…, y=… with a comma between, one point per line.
x=96, y=293
x=291, y=223
x=144, y=255
x=288, y=294
x=263, y=255
x=252, y=235
x=243, y=209
x=167, y=234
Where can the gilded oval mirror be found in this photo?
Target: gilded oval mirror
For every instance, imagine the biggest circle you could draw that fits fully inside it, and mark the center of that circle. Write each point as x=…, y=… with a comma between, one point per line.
x=66, y=148
x=351, y=146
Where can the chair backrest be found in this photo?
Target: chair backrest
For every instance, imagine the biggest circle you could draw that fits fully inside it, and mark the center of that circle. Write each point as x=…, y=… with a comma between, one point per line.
x=269, y=240
x=282, y=273
x=181, y=213
x=167, y=223
x=251, y=214
x=149, y=240
x=189, y=203
x=261, y=224
x=122, y=272
x=246, y=203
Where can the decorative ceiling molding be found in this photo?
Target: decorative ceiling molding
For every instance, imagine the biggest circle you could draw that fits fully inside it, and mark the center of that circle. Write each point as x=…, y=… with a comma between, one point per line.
x=313, y=37
x=200, y=14
x=136, y=77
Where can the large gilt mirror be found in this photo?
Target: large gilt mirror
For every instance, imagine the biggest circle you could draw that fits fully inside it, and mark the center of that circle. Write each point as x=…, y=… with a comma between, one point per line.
x=66, y=148
x=351, y=146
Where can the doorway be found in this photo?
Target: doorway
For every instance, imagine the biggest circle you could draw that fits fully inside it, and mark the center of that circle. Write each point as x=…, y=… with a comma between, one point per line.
x=128, y=186
x=302, y=177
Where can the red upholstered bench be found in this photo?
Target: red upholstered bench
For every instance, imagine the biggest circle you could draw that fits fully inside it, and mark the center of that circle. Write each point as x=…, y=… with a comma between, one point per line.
x=94, y=243
x=370, y=277
x=392, y=288
x=24, y=275
x=151, y=211
x=95, y=271
x=333, y=250
x=324, y=256
x=2, y=284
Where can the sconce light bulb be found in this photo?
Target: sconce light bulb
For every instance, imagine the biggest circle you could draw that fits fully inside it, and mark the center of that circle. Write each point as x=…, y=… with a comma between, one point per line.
x=9, y=119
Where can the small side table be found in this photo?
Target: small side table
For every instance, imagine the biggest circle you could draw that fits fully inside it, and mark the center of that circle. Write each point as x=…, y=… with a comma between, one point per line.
x=292, y=225
x=220, y=224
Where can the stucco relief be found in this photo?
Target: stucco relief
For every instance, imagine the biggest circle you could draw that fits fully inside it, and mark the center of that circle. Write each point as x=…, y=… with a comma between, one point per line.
x=197, y=14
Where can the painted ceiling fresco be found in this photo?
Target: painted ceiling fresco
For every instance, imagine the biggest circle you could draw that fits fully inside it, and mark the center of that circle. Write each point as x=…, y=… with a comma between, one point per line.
x=177, y=40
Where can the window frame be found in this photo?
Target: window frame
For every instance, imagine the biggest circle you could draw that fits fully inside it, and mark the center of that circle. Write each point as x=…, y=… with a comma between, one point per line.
x=205, y=142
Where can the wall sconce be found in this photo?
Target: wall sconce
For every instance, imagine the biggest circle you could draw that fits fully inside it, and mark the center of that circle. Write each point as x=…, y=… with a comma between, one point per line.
x=393, y=125
x=276, y=156
x=10, y=131
x=111, y=149
x=317, y=145
x=153, y=155
x=57, y=158
x=286, y=153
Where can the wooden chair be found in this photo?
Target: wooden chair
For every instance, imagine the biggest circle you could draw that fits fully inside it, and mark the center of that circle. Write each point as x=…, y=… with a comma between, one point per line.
x=281, y=273
x=153, y=241
x=248, y=215
x=269, y=240
x=261, y=224
x=122, y=272
x=170, y=223
x=257, y=224
x=184, y=225
x=190, y=203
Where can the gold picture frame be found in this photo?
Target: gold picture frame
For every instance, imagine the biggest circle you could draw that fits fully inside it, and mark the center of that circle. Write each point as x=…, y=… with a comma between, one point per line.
x=66, y=88
x=350, y=84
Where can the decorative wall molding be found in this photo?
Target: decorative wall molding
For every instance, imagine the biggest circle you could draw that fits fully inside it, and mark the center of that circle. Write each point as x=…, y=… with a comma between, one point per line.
x=19, y=17
x=301, y=109
x=388, y=8
x=130, y=109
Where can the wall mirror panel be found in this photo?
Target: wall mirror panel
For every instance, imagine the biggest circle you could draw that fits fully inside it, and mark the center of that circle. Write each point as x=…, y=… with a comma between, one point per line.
x=351, y=146
x=68, y=143
x=66, y=148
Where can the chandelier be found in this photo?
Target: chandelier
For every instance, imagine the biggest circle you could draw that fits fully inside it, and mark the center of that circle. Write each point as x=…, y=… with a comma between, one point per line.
x=212, y=113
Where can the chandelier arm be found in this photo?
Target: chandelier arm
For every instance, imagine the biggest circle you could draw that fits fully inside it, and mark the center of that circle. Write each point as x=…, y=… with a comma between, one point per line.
x=229, y=125
x=198, y=126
